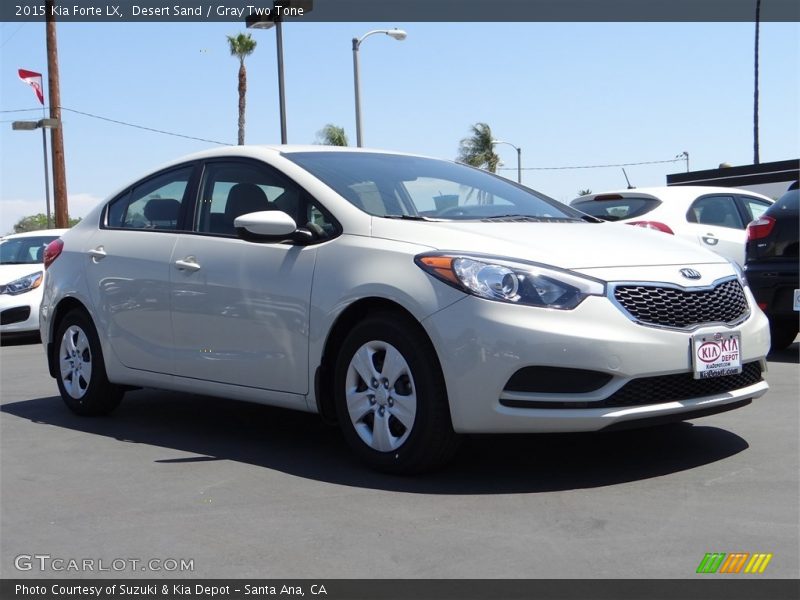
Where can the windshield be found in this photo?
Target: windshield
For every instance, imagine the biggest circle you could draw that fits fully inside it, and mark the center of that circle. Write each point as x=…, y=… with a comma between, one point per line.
x=387, y=185
x=24, y=250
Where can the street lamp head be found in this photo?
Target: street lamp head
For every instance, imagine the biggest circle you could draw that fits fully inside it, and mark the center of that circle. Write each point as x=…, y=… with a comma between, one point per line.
x=259, y=22
x=24, y=125
x=397, y=34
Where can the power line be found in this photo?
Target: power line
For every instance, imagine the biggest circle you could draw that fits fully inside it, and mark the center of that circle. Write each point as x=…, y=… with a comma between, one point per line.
x=21, y=110
x=16, y=31
x=649, y=162
x=161, y=131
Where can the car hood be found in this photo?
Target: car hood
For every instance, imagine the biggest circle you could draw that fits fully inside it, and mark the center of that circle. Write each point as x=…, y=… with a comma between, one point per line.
x=9, y=273
x=576, y=246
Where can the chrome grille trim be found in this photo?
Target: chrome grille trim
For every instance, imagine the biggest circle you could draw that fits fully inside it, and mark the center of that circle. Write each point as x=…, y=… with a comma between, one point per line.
x=681, y=308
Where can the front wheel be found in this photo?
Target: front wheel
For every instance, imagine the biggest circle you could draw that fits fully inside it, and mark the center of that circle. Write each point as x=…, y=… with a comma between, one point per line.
x=391, y=400
x=82, y=379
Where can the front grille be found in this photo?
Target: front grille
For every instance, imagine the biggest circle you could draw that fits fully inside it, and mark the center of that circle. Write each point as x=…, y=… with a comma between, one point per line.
x=681, y=308
x=681, y=386
x=656, y=390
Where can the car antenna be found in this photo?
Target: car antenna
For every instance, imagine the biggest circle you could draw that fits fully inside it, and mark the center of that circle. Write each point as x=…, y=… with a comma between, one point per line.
x=630, y=187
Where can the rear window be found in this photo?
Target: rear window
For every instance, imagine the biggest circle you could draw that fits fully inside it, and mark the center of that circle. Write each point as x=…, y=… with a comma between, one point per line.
x=616, y=209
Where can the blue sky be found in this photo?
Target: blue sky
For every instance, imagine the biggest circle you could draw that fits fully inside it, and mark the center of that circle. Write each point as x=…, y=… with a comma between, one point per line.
x=568, y=93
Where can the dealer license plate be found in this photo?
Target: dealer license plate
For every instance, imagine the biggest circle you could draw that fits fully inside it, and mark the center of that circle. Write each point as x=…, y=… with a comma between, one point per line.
x=716, y=355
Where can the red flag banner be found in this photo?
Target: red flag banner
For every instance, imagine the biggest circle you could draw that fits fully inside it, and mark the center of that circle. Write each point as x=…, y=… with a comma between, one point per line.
x=35, y=81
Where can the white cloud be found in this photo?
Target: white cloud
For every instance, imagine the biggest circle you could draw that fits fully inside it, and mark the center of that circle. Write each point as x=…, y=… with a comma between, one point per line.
x=12, y=210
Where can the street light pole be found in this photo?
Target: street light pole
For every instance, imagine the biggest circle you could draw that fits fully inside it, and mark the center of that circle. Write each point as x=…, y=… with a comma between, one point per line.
x=397, y=34
x=519, y=157
x=275, y=19
x=281, y=93
x=41, y=124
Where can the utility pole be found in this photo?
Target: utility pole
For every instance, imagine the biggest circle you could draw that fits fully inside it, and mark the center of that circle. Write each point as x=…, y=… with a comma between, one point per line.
x=57, y=135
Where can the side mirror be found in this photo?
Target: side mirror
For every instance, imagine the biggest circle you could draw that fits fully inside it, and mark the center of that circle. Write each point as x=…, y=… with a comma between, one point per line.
x=274, y=224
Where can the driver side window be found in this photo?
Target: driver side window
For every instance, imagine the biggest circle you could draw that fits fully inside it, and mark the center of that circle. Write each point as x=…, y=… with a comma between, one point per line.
x=231, y=189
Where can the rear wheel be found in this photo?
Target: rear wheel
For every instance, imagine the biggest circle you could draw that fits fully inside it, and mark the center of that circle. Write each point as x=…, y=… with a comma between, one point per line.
x=391, y=400
x=782, y=332
x=82, y=378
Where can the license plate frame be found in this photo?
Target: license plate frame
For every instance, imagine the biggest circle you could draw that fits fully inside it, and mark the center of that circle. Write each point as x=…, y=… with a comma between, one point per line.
x=716, y=354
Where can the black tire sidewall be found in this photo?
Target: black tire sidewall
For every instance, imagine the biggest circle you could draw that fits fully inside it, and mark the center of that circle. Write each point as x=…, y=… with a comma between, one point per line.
x=432, y=425
x=101, y=397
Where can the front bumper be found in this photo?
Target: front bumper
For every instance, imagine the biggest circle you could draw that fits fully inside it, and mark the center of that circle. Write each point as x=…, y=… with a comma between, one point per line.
x=20, y=314
x=482, y=344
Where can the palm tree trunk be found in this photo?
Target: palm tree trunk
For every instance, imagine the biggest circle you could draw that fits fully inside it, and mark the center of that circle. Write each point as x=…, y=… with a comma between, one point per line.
x=242, y=94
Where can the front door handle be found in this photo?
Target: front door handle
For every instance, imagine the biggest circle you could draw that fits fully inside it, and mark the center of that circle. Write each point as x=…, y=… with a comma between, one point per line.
x=97, y=254
x=710, y=239
x=188, y=263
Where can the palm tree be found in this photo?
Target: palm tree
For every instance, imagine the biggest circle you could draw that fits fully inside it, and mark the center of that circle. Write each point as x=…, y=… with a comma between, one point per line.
x=332, y=135
x=477, y=150
x=241, y=46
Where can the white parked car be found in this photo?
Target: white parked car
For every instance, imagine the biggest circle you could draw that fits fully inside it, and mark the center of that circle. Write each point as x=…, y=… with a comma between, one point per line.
x=714, y=217
x=21, y=276
x=411, y=299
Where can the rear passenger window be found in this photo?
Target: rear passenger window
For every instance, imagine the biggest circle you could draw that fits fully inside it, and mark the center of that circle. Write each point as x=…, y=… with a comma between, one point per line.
x=719, y=211
x=755, y=207
x=152, y=204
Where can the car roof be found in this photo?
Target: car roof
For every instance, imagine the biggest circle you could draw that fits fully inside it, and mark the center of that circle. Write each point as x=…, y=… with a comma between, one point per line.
x=37, y=233
x=265, y=152
x=674, y=192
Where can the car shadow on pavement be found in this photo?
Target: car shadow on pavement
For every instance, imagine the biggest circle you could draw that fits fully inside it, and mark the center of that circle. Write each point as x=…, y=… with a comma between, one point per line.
x=789, y=355
x=301, y=445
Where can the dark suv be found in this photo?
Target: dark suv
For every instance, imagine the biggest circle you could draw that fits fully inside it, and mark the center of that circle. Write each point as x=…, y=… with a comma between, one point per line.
x=772, y=266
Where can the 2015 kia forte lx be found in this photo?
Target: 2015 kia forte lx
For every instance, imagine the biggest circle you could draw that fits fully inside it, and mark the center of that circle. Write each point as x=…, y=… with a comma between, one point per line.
x=408, y=298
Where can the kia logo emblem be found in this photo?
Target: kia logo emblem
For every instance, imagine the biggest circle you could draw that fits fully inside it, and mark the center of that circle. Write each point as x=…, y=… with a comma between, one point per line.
x=690, y=274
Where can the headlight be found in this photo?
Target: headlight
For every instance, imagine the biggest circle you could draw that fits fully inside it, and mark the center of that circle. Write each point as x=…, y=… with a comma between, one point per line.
x=23, y=284
x=510, y=281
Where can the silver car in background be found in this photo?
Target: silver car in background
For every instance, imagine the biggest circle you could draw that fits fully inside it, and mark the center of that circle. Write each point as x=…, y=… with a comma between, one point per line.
x=408, y=298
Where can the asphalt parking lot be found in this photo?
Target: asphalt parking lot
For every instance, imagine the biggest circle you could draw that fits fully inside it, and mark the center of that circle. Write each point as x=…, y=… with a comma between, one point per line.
x=251, y=491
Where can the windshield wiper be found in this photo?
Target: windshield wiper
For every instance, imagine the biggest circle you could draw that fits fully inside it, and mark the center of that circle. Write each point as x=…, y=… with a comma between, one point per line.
x=529, y=219
x=407, y=217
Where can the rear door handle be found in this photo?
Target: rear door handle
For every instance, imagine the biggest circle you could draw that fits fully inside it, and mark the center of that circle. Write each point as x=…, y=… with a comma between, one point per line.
x=188, y=263
x=97, y=254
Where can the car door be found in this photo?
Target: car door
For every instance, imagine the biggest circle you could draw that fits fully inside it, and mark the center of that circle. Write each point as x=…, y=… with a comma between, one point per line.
x=715, y=222
x=241, y=308
x=128, y=268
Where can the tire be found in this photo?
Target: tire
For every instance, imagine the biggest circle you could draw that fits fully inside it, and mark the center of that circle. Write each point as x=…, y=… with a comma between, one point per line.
x=82, y=379
x=782, y=333
x=391, y=400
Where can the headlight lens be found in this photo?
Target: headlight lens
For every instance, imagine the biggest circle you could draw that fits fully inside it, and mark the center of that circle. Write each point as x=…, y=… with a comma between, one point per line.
x=510, y=281
x=23, y=284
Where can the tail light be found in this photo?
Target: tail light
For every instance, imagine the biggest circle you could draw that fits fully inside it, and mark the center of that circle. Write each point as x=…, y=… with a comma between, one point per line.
x=52, y=251
x=653, y=225
x=760, y=228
